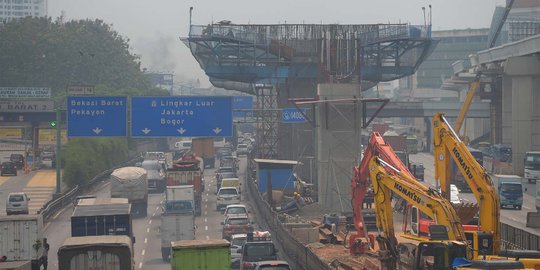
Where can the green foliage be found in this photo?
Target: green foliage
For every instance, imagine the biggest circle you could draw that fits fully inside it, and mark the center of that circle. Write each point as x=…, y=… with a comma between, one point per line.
x=85, y=158
x=39, y=52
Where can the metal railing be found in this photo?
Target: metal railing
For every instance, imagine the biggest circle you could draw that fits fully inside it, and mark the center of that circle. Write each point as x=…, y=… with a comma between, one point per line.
x=516, y=238
x=55, y=205
x=300, y=256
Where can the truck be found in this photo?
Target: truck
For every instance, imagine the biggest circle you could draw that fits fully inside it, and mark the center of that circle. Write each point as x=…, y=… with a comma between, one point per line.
x=155, y=175
x=186, y=171
x=102, y=216
x=204, y=148
x=509, y=189
x=395, y=140
x=177, y=223
x=180, y=193
x=107, y=252
x=21, y=239
x=412, y=144
x=532, y=166
x=131, y=183
x=194, y=254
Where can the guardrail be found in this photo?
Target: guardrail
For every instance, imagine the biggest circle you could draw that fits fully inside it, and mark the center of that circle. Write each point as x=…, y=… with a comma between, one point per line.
x=53, y=206
x=516, y=238
x=298, y=254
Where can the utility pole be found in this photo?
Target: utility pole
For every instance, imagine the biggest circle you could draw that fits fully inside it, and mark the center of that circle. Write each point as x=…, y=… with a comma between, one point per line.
x=58, y=157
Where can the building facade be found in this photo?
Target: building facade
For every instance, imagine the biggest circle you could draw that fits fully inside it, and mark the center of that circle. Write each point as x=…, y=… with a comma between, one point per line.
x=13, y=9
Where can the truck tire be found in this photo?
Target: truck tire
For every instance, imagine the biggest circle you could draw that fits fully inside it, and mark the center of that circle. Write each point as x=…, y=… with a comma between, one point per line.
x=519, y=207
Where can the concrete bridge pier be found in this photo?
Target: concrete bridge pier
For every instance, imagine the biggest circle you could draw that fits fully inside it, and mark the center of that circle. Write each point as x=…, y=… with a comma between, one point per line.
x=521, y=107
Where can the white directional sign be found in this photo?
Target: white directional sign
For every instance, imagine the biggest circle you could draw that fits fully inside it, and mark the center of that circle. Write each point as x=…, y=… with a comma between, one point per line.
x=25, y=92
x=26, y=105
x=80, y=90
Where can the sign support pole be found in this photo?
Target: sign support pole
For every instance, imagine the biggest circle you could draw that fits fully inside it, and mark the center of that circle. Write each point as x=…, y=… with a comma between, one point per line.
x=58, y=150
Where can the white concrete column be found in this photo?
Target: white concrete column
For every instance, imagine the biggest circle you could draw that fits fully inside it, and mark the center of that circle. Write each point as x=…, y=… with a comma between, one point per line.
x=507, y=110
x=524, y=73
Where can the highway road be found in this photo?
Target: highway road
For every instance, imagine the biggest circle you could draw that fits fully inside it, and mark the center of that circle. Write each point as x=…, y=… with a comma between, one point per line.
x=516, y=218
x=147, y=230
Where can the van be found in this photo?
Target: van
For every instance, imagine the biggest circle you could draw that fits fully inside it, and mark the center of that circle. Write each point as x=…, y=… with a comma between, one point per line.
x=17, y=203
x=231, y=182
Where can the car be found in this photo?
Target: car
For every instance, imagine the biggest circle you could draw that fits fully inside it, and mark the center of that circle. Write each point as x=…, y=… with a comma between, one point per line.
x=257, y=251
x=224, y=176
x=454, y=194
x=227, y=196
x=272, y=265
x=225, y=151
x=18, y=159
x=17, y=203
x=229, y=161
x=236, y=224
x=242, y=149
x=8, y=167
x=237, y=241
x=235, y=209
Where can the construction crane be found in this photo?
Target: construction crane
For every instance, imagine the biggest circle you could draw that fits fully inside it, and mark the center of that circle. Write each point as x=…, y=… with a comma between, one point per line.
x=473, y=87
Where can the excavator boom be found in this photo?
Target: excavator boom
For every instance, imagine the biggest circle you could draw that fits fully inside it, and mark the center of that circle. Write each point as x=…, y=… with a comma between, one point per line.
x=449, y=146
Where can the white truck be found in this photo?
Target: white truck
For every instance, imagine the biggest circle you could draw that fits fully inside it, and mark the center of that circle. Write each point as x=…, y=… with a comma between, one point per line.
x=180, y=193
x=177, y=223
x=131, y=183
x=532, y=166
x=21, y=239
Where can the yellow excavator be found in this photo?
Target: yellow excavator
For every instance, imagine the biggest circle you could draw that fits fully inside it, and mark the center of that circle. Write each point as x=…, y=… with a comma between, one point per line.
x=448, y=146
x=445, y=250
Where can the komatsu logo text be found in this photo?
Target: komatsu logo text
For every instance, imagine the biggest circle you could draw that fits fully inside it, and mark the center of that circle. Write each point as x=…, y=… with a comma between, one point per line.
x=408, y=193
x=462, y=163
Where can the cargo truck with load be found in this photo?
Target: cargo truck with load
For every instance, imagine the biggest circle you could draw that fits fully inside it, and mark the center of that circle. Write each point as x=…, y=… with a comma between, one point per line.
x=102, y=216
x=106, y=252
x=204, y=148
x=195, y=254
x=186, y=171
x=155, y=174
x=131, y=183
x=177, y=223
x=509, y=189
x=21, y=239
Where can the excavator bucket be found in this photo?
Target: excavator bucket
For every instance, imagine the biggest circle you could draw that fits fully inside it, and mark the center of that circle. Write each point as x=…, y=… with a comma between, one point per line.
x=466, y=211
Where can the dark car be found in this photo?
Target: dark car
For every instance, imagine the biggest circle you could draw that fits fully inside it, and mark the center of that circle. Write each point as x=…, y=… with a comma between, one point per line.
x=18, y=159
x=9, y=167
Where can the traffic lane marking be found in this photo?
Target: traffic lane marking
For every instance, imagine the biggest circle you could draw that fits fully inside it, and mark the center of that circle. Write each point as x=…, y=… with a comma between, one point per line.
x=46, y=178
x=3, y=179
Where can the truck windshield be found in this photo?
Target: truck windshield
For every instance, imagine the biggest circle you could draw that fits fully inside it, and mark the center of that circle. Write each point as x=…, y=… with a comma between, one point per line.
x=532, y=160
x=513, y=188
x=238, y=241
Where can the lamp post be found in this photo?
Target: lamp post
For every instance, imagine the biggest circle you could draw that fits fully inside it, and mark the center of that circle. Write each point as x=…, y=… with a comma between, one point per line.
x=190, y=13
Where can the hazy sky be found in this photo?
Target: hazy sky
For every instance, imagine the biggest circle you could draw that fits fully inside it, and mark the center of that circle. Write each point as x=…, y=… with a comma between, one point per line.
x=153, y=26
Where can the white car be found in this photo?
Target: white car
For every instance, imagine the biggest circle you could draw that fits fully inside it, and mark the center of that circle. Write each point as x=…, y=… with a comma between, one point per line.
x=17, y=203
x=227, y=196
x=454, y=194
x=235, y=209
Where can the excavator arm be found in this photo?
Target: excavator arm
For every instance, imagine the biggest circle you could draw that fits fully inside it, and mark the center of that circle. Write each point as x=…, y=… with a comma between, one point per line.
x=473, y=87
x=448, y=146
x=360, y=182
x=424, y=198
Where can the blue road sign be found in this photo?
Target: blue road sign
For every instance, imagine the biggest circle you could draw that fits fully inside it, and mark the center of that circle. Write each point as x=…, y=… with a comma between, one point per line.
x=181, y=116
x=96, y=116
x=293, y=115
x=243, y=103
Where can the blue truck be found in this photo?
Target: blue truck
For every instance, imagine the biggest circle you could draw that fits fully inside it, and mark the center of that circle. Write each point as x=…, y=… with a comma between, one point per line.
x=509, y=189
